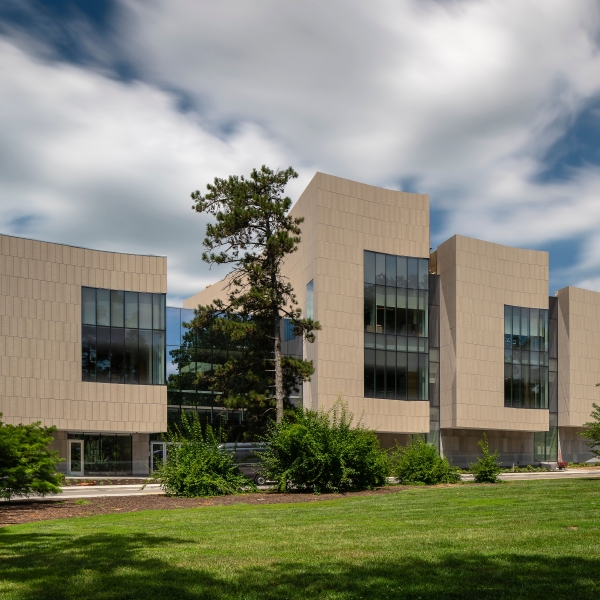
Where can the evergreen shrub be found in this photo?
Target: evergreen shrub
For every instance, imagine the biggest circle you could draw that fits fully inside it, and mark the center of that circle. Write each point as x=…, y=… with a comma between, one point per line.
x=196, y=466
x=486, y=469
x=419, y=463
x=322, y=452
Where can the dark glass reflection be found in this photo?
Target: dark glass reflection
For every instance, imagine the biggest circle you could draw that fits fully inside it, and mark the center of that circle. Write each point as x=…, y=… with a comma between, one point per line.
x=103, y=308
x=369, y=267
x=114, y=350
x=88, y=306
x=526, y=357
x=397, y=327
x=145, y=311
x=117, y=354
x=88, y=353
x=103, y=354
x=131, y=363
x=131, y=310
x=145, y=356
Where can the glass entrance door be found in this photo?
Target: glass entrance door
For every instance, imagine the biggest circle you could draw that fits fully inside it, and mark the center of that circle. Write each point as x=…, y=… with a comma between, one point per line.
x=75, y=458
x=158, y=455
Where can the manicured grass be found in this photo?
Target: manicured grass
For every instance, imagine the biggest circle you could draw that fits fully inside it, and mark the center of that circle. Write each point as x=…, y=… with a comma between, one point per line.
x=530, y=539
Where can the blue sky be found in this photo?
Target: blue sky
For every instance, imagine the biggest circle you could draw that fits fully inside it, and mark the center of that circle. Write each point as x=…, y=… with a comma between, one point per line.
x=112, y=112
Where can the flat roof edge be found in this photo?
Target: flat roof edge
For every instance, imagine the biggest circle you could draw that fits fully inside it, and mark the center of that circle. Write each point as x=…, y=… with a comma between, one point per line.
x=19, y=237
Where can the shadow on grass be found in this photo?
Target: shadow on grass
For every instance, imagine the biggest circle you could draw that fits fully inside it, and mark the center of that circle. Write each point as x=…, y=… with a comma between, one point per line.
x=116, y=566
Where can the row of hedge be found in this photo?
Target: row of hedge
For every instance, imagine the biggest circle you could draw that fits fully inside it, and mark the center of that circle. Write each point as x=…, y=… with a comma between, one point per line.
x=309, y=451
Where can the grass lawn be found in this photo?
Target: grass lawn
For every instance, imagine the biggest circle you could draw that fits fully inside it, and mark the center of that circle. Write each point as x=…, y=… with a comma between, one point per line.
x=526, y=539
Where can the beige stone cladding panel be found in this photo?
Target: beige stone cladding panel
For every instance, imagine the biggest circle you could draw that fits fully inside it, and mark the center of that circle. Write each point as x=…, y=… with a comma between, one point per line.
x=353, y=217
x=446, y=267
x=573, y=446
x=579, y=355
x=478, y=278
x=216, y=291
x=40, y=337
x=342, y=218
x=514, y=447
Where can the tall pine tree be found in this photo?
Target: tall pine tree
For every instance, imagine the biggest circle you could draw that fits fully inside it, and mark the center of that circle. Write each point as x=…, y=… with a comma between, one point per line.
x=254, y=233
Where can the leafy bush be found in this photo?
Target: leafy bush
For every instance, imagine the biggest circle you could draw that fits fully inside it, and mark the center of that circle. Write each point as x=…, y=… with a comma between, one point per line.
x=486, y=469
x=26, y=465
x=592, y=431
x=322, y=452
x=420, y=464
x=196, y=466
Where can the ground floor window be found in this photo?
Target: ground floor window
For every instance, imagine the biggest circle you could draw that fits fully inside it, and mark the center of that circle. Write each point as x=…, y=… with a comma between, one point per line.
x=106, y=454
x=545, y=445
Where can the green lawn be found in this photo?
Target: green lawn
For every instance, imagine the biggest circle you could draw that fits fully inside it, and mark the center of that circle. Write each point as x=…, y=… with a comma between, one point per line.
x=534, y=539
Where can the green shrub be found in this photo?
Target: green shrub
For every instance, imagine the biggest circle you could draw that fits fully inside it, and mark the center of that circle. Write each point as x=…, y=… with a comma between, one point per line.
x=26, y=465
x=486, y=469
x=322, y=452
x=196, y=466
x=419, y=463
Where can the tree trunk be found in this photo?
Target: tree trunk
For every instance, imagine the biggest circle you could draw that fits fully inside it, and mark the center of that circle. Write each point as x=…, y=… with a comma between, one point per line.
x=278, y=371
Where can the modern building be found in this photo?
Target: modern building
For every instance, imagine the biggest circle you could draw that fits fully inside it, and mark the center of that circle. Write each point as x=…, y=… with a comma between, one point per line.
x=450, y=344
x=82, y=347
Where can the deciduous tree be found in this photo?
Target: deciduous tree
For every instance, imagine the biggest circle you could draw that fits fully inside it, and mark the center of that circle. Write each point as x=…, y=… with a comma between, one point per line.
x=26, y=465
x=592, y=431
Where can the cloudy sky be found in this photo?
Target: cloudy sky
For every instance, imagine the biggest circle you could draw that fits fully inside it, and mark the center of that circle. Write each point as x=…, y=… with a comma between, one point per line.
x=113, y=111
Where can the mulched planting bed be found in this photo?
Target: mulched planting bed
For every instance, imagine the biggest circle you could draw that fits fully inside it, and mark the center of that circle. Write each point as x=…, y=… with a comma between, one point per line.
x=24, y=511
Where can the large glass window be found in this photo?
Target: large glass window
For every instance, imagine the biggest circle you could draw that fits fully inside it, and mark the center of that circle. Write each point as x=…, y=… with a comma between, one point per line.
x=106, y=454
x=526, y=344
x=201, y=354
x=396, y=324
x=122, y=337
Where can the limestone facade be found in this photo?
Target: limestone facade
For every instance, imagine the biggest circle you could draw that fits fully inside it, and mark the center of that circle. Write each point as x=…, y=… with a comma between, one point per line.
x=40, y=338
x=477, y=279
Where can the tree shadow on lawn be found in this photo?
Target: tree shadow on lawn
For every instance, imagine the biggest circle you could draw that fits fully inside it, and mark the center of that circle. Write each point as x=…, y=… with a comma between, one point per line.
x=44, y=566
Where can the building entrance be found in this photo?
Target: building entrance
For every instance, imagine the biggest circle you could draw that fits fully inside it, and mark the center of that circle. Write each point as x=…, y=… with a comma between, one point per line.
x=158, y=455
x=75, y=458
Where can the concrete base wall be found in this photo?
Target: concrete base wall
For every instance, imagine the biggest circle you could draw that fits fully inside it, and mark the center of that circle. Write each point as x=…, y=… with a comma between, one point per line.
x=140, y=448
x=60, y=444
x=573, y=446
x=460, y=446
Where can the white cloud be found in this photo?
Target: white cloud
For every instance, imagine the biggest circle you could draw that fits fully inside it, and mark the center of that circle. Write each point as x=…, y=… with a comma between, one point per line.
x=463, y=97
x=95, y=162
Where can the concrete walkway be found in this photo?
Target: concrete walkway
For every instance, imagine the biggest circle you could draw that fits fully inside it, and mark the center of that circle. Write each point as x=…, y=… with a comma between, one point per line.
x=568, y=474
x=99, y=491
x=96, y=491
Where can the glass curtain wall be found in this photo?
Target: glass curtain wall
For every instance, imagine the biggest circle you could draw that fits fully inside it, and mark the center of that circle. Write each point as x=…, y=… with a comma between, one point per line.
x=546, y=442
x=396, y=325
x=184, y=362
x=123, y=337
x=526, y=345
x=433, y=436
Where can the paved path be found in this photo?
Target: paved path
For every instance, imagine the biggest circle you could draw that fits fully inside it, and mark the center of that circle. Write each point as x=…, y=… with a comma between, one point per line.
x=98, y=491
x=95, y=491
x=569, y=474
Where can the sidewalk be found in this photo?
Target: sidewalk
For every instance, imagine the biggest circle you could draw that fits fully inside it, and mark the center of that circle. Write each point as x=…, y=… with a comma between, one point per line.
x=95, y=491
x=567, y=474
x=71, y=492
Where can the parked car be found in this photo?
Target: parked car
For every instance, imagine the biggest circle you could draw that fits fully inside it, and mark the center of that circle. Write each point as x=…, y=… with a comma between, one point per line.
x=247, y=457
